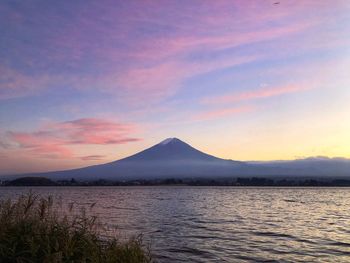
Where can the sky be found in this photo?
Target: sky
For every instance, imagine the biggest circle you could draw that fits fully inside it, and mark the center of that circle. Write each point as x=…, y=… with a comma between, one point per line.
x=89, y=82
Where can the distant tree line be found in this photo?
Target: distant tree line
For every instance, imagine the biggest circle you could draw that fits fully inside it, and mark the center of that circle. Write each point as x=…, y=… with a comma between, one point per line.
x=253, y=181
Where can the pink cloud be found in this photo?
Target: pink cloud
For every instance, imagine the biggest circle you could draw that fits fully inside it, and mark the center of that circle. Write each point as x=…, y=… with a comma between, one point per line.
x=160, y=66
x=258, y=94
x=40, y=144
x=157, y=64
x=233, y=39
x=164, y=79
x=94, y=131
x=55, y=140
x=220, y=113
x=221, y=25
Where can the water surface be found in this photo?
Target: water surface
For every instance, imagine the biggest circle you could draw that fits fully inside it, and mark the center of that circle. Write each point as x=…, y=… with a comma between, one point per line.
x=222, y=224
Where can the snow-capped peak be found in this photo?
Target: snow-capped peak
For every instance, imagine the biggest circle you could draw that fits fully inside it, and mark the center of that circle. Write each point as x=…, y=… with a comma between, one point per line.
x=166, y=141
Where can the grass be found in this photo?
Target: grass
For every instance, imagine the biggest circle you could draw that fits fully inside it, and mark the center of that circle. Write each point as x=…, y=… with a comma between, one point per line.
x=33, y=229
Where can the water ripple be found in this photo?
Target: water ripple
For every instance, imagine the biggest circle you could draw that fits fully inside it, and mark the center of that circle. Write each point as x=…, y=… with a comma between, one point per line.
x=222, y=224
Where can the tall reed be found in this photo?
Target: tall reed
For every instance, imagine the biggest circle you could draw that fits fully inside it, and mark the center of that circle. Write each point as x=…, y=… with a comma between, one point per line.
x=33, y=229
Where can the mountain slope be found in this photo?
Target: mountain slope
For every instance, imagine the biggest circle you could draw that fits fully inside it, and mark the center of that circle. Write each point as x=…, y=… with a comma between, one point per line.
x=170, y=158
x=171, y=149
x=173, y=158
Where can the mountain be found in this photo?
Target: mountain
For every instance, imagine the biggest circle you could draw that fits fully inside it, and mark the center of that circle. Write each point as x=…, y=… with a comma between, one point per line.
x=169, y=158
x=173, y=158
x=170, y=150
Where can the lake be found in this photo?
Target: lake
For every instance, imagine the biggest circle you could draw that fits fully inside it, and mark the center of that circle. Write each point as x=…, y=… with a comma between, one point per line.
x=222, y=224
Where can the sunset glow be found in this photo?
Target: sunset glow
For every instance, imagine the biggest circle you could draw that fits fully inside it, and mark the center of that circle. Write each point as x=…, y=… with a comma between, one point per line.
x=89, y=82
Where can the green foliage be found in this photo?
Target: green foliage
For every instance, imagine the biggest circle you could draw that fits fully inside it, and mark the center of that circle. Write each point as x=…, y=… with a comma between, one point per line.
x=33, y=229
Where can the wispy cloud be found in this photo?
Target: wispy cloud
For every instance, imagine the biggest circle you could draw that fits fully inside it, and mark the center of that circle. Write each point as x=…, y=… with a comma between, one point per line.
x=162, y=65
x=261, y=93
x=14, y=84
x=165, y=79
x=131, y=64
x=55, y=140
x=93, y=157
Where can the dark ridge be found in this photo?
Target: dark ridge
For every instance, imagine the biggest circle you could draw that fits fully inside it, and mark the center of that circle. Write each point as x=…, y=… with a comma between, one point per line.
x=31, y=181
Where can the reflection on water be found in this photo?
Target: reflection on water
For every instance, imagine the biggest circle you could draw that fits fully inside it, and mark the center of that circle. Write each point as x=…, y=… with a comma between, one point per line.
x=223, y=224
